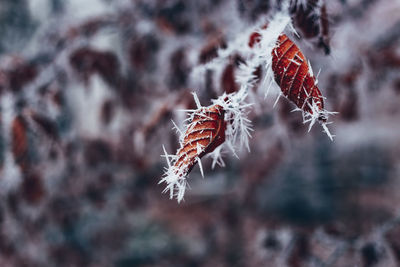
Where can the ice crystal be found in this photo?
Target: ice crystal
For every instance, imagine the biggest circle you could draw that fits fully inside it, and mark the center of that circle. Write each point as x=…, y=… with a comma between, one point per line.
x=237, y=135
x=235, y=105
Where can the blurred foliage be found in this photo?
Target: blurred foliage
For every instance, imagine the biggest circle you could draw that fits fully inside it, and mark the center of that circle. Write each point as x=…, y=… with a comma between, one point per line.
x=87, y=94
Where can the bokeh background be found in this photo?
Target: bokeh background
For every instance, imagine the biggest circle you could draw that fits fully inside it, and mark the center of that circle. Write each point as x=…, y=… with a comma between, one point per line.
x=88, y=90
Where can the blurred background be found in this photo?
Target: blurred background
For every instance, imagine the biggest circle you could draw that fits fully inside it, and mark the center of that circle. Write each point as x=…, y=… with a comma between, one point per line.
x=87, y=93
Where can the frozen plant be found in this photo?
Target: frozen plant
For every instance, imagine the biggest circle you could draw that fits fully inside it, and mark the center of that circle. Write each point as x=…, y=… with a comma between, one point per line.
x=225, y=123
